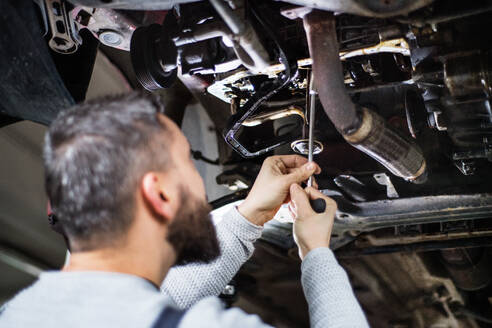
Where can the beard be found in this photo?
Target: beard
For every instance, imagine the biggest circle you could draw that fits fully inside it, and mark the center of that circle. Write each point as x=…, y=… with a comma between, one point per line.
x=192, y=233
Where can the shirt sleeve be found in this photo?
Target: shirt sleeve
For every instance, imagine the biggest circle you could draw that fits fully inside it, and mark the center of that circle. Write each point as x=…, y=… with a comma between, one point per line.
x=188, y=284
x=209, y=312
x=332, y=302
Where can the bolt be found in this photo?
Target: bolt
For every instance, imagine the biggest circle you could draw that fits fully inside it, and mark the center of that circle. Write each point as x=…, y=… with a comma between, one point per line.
x=229, y=290
x=111, y=38
x=353, y=233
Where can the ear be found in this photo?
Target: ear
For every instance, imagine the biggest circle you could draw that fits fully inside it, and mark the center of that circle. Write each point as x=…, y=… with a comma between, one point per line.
x=157, y=197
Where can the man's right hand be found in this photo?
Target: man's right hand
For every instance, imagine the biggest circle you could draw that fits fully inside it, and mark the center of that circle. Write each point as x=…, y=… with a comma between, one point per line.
x=271, y=187
x=311, y=230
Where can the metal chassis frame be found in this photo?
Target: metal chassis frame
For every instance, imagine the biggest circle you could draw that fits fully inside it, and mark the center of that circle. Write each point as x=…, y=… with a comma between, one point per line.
x=368, y=216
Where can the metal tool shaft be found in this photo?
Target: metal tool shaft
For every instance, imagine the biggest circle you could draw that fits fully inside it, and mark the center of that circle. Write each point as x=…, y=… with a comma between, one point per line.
x=319, y=204
x=312, y=113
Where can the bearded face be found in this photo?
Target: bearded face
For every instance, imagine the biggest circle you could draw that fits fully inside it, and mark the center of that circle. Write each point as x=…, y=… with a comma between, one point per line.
x=192, y=233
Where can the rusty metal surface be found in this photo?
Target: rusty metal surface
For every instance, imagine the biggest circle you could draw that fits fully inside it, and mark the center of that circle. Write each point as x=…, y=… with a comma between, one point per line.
x=359, y=7
x=395, y=290
x=469, y=74
x=353, y=218
x=366, y=7
x=364, y=129
x=401, y=156
x=131, y=4
x=401, y=290
x=327, y=70
x=466, y=243
x=375, y=239
x=368, y=216
x=468, y=267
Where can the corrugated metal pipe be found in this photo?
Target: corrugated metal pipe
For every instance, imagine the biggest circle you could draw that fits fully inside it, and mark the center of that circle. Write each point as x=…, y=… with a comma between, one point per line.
x=361, y=127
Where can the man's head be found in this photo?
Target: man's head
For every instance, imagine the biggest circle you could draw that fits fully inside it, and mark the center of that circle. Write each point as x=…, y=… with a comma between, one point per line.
x=118, y=165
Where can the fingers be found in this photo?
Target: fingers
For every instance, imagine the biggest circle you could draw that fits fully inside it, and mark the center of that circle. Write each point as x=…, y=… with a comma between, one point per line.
x=292, y=210
x=314, y=193
x=292, y=161
x=300, y=200
x=315, y=183
x=295, y=168
x=302, y=173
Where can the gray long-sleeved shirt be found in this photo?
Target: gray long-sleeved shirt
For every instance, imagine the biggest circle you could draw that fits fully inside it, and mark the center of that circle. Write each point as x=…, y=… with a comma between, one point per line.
x=106, y=299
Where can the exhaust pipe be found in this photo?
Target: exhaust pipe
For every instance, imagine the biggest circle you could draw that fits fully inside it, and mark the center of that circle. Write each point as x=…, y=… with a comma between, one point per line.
x=361, y=127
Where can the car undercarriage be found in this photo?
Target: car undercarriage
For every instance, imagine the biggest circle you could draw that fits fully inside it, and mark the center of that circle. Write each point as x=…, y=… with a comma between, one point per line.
x=413, y=227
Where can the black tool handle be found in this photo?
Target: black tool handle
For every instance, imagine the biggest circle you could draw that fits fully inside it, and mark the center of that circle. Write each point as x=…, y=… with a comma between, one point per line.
x=318, y=205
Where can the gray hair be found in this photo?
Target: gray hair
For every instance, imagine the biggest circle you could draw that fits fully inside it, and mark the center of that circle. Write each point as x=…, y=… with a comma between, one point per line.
x=95, y=156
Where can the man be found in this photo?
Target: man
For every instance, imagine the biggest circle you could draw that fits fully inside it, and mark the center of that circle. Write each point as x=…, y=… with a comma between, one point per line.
x=132, y=205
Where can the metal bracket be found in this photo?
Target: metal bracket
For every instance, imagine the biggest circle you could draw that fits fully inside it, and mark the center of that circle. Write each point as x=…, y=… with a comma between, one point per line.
x=65, y=38
x=384, y=179
x=467, y=167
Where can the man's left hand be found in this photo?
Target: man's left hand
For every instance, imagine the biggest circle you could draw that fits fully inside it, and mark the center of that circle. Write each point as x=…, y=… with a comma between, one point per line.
x=271, y=187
